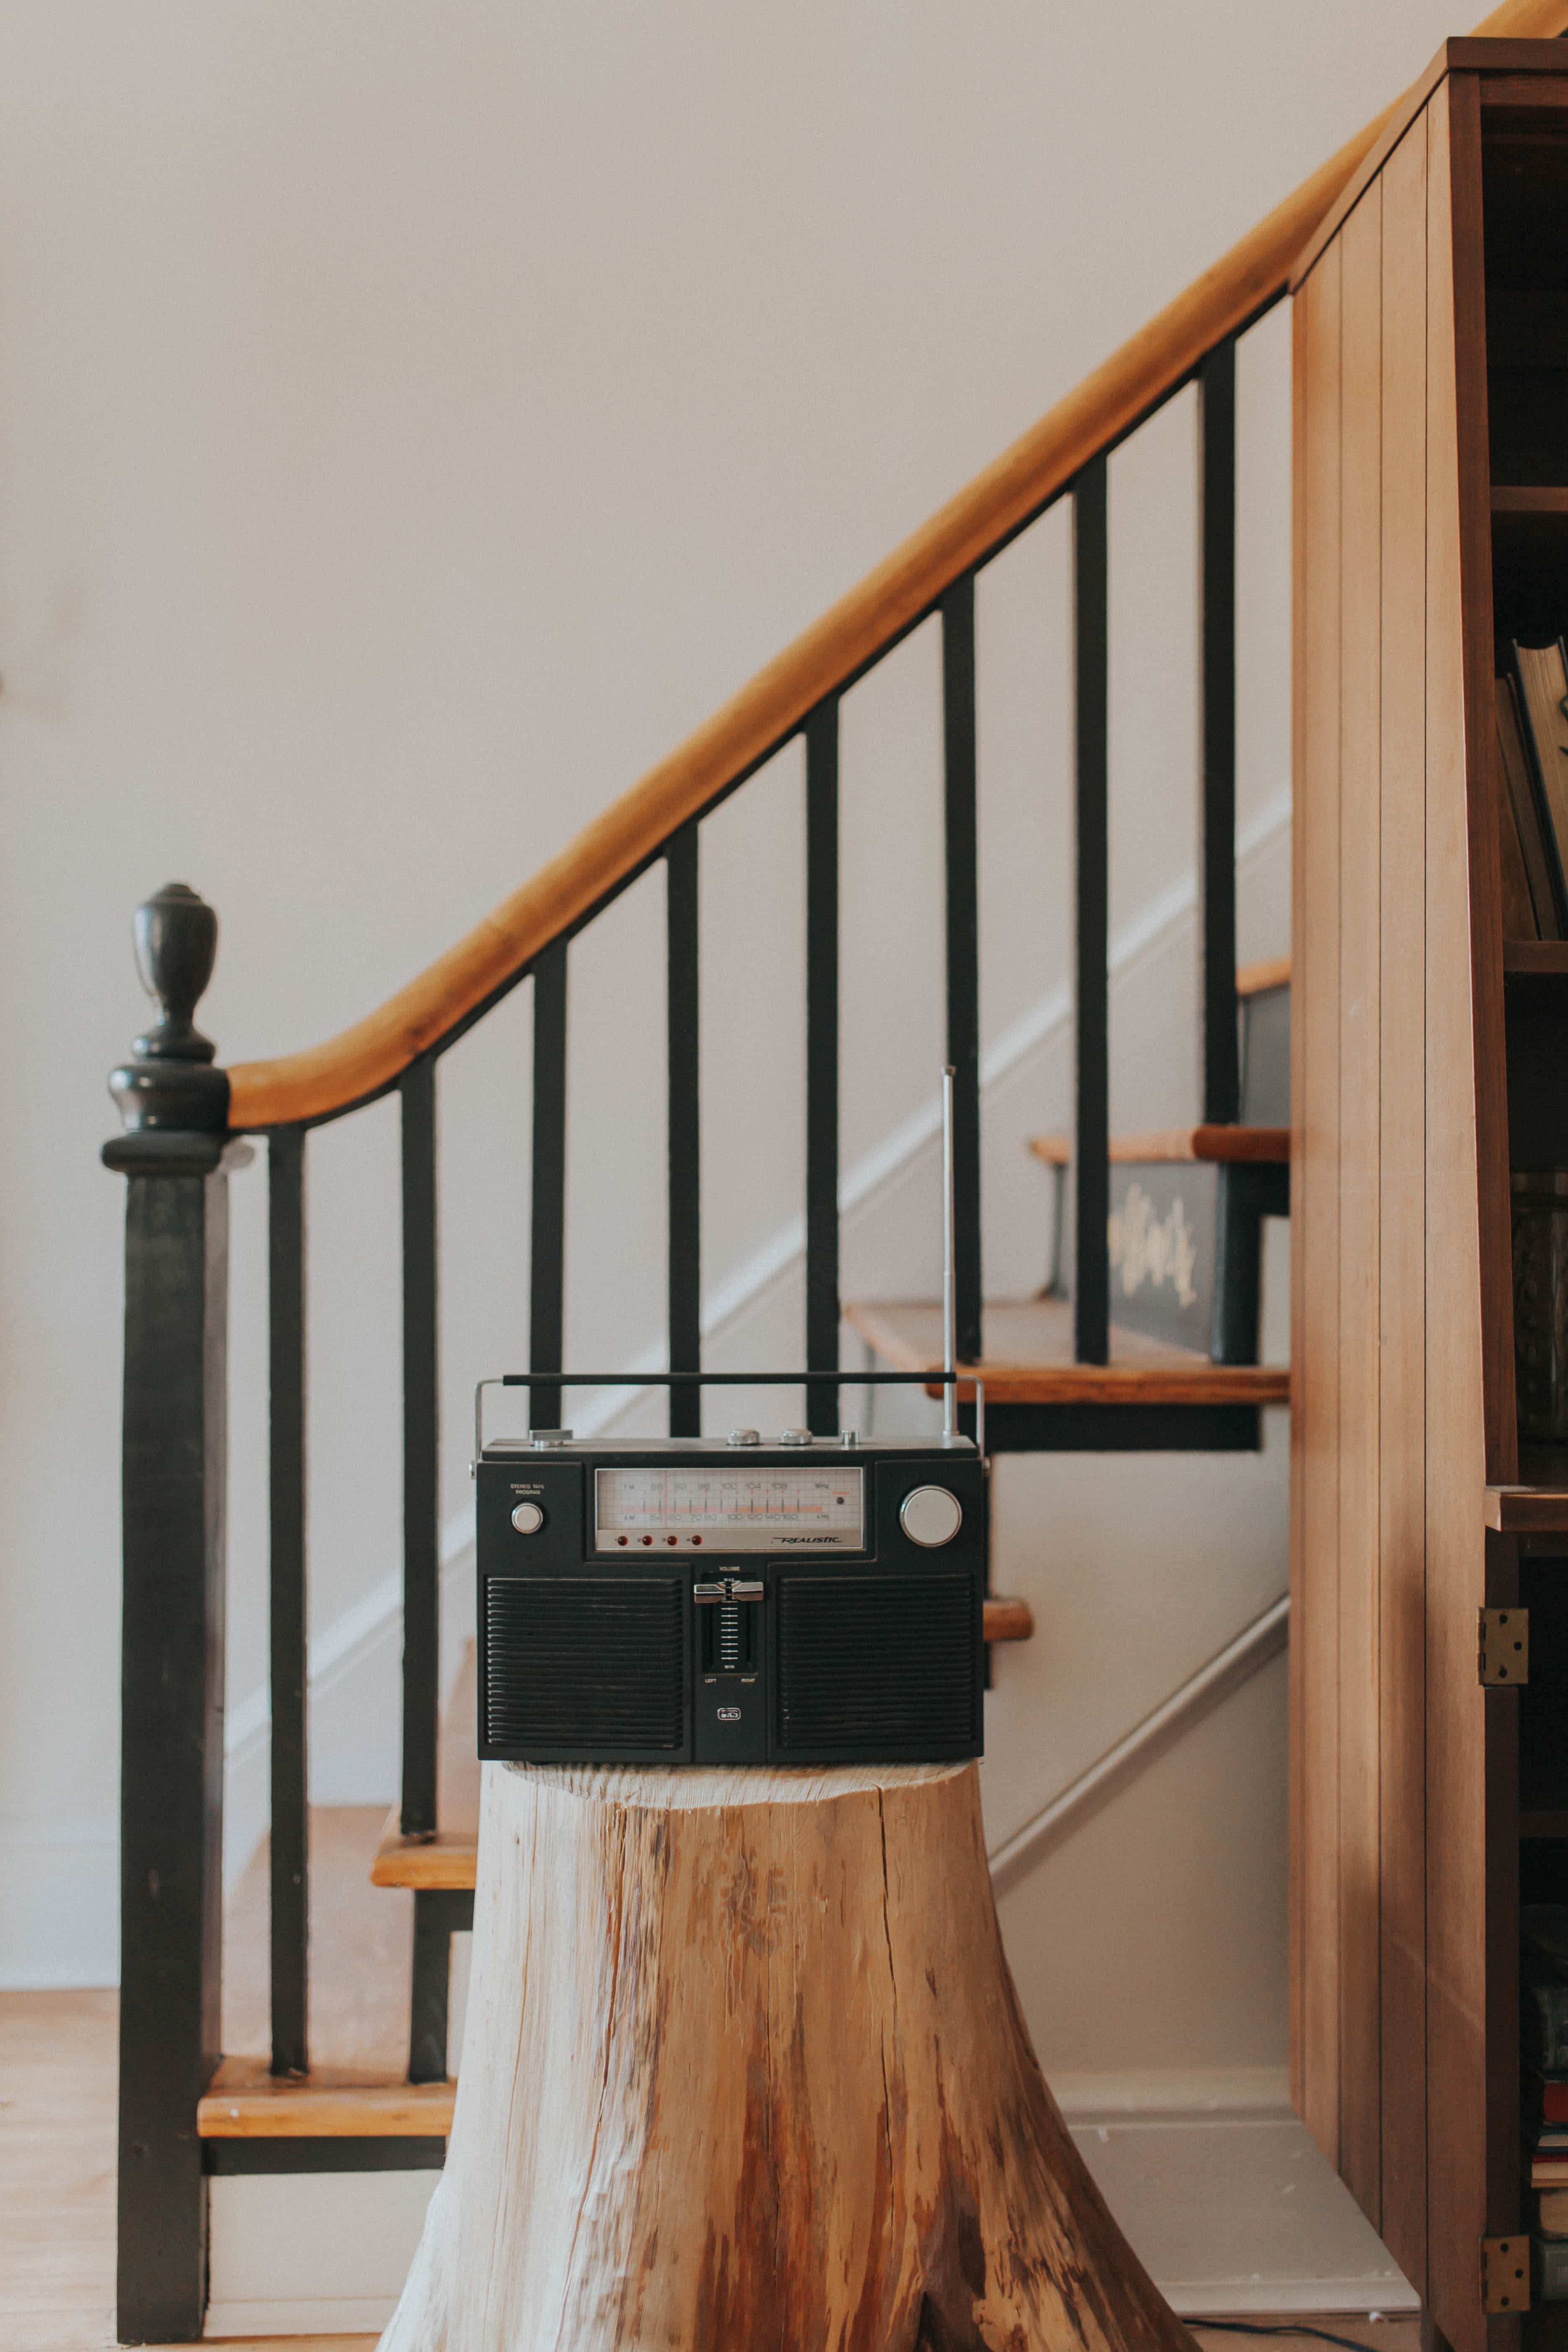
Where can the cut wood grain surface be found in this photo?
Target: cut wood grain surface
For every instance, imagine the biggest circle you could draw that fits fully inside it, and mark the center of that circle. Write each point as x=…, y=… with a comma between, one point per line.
x=769, y=2019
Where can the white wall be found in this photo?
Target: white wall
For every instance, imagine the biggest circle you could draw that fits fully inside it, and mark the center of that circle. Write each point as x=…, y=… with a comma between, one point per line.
x=412, y=421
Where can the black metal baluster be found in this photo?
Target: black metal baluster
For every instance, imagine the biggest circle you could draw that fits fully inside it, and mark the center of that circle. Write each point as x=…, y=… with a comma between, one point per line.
x=421, y=1465
x=291, y=1817
x=962, y=951
x=1091, y=856
x=440, y=1914
x=175, y=1106
x=547, y=1249
x=822, y=1302
x=1217, y=857
x=684, y=1132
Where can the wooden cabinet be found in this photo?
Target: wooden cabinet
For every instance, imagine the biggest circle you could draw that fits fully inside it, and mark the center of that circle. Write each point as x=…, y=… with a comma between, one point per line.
x=1431, y=527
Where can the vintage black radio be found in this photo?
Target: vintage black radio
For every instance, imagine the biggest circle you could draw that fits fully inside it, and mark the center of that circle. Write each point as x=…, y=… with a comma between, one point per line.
x=803, y=1600
x=792, y=1600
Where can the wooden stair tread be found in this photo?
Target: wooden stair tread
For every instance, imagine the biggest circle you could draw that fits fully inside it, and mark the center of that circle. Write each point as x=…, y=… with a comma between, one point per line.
x=1257, y=979
x=1028, y=1358
x=1232, y=1145
x=448, y=1860
x=440, y=1861
x=245, y=2101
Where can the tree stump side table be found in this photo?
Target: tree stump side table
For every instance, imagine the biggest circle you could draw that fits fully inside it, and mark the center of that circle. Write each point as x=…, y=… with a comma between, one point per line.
x=744, y=2069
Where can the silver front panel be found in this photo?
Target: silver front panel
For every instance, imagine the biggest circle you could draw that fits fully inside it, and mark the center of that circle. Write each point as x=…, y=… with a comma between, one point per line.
x=738, y=1509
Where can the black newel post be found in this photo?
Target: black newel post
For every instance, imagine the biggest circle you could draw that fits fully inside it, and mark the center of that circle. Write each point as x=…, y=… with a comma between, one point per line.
x=175, y=1152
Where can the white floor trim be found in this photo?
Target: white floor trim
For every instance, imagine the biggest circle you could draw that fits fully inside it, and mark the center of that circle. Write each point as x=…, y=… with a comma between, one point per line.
x=1184, y=2093
x=339, y=2315
x=310, y=2253
x=1238, y=2214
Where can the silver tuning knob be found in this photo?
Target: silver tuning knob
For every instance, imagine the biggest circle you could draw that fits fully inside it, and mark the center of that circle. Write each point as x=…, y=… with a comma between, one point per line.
x=929, y=1516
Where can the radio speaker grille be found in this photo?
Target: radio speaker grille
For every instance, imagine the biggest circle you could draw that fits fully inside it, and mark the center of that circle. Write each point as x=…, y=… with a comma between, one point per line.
x=584, y=1663
x=878, y=1665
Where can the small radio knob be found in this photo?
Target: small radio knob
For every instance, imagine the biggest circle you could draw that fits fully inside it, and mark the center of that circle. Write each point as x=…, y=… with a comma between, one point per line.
x=929, y=1516
x=528, y=1518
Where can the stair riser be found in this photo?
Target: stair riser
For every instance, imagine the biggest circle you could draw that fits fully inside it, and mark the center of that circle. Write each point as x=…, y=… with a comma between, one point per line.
x=1185, y=1240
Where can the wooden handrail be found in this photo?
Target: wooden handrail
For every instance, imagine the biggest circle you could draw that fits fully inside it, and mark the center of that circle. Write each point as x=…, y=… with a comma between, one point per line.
x=371, y=1055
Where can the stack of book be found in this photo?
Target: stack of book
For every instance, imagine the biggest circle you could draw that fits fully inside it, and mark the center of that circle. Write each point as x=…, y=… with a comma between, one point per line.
x=1544, y=2102
x=1533, y=740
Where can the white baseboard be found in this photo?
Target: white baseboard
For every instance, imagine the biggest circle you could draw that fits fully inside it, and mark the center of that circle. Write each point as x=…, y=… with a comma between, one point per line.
x=1174, y=2094
x=1205, y=2300
x=310, y=2253
x=332, y=2316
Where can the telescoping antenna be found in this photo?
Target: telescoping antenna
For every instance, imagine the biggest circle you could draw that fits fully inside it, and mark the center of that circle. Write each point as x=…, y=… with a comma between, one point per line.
x=949, y=1301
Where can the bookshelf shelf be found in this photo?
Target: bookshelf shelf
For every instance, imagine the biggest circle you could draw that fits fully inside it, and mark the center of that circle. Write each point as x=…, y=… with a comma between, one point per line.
x=1535, y=959
x=1529, y=499
x=1528, y=1510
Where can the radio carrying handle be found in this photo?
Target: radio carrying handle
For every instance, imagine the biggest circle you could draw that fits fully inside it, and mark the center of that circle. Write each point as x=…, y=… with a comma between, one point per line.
x=728, y=1381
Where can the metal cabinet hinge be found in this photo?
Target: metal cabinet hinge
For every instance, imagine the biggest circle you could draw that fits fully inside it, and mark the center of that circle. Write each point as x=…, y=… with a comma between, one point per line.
x=1505, y=2262
x=1504, y=1655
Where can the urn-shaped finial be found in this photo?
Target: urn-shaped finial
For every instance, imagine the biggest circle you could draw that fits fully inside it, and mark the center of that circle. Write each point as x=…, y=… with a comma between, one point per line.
x=176, y=945
x=169, y=1081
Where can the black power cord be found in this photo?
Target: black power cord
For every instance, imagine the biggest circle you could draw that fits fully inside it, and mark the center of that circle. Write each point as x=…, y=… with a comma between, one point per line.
x=1247, y=2327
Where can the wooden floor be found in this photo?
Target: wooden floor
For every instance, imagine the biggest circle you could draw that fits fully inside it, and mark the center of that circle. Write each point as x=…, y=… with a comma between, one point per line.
x=56, y=2192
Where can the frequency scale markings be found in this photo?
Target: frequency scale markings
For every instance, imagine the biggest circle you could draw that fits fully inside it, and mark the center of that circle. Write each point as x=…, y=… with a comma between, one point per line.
x=746, y=1510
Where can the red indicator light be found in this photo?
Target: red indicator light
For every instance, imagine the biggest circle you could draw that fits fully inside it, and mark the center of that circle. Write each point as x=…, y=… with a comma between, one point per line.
x=647, y=1539
x=620, y=1540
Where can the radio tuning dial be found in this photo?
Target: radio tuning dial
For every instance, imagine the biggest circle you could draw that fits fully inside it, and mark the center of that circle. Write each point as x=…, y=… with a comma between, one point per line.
x=528, y=1518
x=929, y=1517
